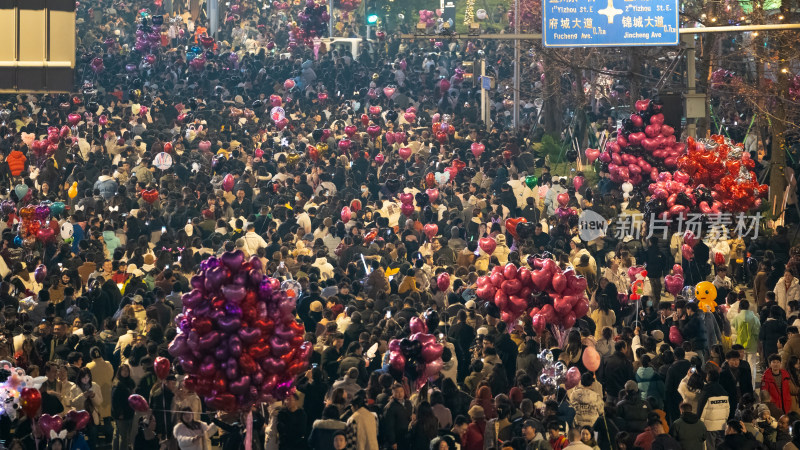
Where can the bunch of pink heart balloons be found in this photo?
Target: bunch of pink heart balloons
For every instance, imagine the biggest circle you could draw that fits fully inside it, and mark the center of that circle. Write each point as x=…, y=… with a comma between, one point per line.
x=643, y=147
x=563, y=212
x=238, y=339
x=407, y=204
x=674, y=282
x=419, y=356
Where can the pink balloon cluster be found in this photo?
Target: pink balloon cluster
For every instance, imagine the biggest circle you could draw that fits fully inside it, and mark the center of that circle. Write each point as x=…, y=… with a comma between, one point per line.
x=419, y=356
x=238, y=339
x=397, y=137
x=406, y=203
x=674, y=282
x=427, y=17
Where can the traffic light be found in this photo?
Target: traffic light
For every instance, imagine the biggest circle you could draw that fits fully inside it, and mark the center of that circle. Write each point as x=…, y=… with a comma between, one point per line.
x=371, y=12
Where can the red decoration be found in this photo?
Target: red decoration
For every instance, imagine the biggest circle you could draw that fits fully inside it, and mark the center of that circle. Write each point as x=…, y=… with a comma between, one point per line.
x=150, y=196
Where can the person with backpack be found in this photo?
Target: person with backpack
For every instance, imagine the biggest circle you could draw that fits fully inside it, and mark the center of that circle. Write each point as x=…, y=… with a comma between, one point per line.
x=747, y=326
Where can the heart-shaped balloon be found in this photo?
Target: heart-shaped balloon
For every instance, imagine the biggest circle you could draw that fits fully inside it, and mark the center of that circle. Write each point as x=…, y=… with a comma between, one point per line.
x=477, y=149
x=150, y=195
x=48, y=423
x=404, y=152
x=406, y=198
x=79, y=418
x=430, y=230
x=487, y=244
x=592, y=154
x=511, y=225
x=433, y=194
x=21, y=190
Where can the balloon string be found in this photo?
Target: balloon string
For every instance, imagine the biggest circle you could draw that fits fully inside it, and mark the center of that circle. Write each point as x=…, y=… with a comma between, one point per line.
x=248, y=442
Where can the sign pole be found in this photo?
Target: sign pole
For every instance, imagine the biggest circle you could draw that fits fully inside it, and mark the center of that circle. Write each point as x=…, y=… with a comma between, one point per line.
x=516, y=64
x=213, y=16
x=487, y=120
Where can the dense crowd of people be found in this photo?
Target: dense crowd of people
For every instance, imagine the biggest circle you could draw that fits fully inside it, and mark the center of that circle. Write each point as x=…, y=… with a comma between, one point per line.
x=86, y=313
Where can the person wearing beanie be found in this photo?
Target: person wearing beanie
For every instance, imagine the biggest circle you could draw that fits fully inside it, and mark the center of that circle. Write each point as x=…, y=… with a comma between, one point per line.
x=473, y=438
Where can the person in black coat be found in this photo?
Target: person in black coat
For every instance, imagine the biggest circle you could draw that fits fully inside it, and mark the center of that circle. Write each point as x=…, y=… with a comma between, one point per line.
x=506, y=350
x=772, y=328
x=314, y=388
x=691, y=325
x=121, y=410
x=735, y=379
x=615, y=370
x=462, y=335
x=396, y=418
x=656, y=266
x=160, y=404
x=292, y=425
x=737, y=438
x=676, y=372
x=233, y=439
x=330, y=356
x=632, y=410
x=353, y=330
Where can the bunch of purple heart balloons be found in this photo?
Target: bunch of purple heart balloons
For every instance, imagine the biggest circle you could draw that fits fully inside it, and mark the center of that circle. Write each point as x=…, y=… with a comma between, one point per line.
x=238, y=339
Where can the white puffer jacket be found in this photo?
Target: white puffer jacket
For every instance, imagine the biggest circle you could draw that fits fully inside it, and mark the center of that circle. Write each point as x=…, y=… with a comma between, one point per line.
x=716, y=412
x=588, y=405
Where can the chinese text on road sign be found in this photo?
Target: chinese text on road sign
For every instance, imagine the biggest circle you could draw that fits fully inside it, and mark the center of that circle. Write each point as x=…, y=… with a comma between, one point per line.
x=602, y=23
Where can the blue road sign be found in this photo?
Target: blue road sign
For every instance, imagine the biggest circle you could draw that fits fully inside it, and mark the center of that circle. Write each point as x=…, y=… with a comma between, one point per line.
x=606, y=23
x=486, y=83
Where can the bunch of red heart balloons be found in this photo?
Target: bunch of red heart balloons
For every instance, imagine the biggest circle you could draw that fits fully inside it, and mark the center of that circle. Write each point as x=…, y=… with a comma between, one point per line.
x=547, y=293
x=561, y=298
x=727, y=170
x=509, y=288
x=238, y=339
x=643, y=147
x=419, y=356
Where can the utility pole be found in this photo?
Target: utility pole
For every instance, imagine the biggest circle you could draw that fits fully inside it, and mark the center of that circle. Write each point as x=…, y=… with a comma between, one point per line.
x=691, y=86
x=330, y=18
x=213, y=17
x=485, y=115
x=516, y=64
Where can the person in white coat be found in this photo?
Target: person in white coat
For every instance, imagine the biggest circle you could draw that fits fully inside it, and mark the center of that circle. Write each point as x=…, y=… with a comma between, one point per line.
x=325, y=267
x=786, y=290
x=363, y=424
x=253, y=241
x=193, y=434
